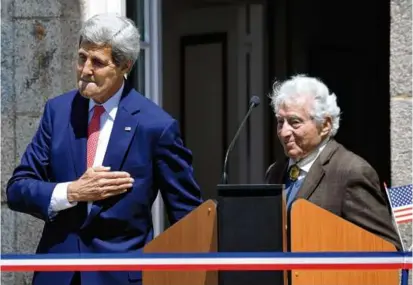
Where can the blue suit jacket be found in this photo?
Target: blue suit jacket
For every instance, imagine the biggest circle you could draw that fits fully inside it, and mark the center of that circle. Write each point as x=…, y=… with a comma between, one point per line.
x=152, y=152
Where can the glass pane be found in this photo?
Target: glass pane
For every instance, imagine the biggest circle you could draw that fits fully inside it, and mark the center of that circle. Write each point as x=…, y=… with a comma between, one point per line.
x=135, y=10
x=138, y=73
x=140, y=19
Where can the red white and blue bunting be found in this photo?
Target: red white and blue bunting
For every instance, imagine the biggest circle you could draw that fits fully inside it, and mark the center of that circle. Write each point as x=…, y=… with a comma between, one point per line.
x=209, y=261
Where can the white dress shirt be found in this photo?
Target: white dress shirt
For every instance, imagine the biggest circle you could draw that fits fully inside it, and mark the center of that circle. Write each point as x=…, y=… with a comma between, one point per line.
x=59, y=201
x=305, y=164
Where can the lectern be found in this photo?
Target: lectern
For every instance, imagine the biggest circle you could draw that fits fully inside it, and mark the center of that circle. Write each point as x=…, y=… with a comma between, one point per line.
x=334, y=233
x=253, y=218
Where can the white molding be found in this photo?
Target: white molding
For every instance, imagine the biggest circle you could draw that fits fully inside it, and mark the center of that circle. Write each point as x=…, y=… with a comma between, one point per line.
x=94, y=7
x=116, y=6
x=153, y=78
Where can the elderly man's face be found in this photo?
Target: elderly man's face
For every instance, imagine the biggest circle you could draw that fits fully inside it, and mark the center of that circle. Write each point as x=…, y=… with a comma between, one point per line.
x=297, y=131
x=97, y=75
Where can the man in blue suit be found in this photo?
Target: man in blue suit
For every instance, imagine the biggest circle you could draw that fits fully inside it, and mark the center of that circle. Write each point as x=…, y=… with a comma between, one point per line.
x=98, y=158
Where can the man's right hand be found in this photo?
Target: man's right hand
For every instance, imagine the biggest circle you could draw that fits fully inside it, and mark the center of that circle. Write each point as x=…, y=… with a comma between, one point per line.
x=98, y=183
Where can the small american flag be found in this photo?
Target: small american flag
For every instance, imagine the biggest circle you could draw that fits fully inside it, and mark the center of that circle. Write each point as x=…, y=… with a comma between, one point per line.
x=400, y=198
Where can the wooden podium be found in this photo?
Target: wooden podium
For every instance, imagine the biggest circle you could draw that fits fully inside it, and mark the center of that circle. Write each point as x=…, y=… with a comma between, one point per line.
x=213, y=225
x=314, y=229
x=197, y=232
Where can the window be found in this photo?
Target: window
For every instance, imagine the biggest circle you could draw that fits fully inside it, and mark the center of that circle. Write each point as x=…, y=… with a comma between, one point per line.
x=135, y=10
x=145, y=75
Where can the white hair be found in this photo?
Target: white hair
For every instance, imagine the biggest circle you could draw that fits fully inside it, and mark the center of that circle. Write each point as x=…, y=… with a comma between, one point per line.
x=118, y=32
x=300, y=86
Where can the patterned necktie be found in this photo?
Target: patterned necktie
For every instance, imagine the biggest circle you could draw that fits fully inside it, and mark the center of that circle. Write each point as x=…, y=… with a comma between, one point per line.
x=93, y=134
x=294, y=172
x=293, y=184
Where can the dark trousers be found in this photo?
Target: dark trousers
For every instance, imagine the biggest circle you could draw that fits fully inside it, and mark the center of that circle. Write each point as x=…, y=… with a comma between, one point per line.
x=76, y=279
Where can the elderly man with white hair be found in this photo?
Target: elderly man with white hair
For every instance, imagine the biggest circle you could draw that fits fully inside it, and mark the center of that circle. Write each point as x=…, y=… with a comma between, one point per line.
x=317, y=167
x=98, y=159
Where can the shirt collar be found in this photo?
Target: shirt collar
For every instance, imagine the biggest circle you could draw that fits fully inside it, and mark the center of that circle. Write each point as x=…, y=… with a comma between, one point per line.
x=306, y=163
x=111, y=104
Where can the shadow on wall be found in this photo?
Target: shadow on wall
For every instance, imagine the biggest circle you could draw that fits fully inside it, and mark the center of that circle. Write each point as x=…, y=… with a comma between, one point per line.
x=38, y=47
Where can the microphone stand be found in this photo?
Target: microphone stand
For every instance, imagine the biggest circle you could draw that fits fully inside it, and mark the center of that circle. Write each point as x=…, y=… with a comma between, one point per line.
x=255, y=101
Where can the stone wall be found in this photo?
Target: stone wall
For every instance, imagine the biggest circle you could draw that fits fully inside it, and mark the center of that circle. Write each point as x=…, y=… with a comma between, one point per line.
x=401, y=100
x=38, y=45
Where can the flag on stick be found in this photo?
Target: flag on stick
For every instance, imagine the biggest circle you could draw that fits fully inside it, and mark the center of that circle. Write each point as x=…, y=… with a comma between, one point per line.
x=401, y=203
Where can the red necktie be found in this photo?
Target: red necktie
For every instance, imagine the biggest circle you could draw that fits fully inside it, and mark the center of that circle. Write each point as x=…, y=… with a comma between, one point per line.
x=93, y=134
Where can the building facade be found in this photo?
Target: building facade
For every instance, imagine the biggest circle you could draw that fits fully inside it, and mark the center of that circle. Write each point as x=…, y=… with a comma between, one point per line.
x=202, y=60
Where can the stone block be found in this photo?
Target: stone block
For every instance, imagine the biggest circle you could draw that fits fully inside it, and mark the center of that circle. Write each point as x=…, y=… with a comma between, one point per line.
x=8, y=151
x=28, y=231
x=401, y=141
x=7, y=165
x=8, y=154
x=70, y=38
x=37, y=8
x=406, y=233
x=68, y=80
x=4, y=179
x=7, y=125
x=72, y=9
x=23, y=278
x=8, y=230
x=7, y=11
x=38, y=52
x=401, y=48
x=8, y=278
x=8, y=240
x=26, y=127
x=7, y=68
x=70, y=30
x=7, y=142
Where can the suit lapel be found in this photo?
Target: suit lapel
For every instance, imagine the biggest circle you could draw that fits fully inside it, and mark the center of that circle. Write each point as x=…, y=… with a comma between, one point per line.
x=311, y=180
x=317, y=171
x=124, y=128
x=78, y=132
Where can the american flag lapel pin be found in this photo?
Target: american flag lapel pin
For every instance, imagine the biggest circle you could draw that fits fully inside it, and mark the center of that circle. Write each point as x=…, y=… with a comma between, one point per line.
x=128, y=129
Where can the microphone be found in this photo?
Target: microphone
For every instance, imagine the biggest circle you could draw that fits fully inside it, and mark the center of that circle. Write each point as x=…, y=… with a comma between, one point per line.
x=254, y=102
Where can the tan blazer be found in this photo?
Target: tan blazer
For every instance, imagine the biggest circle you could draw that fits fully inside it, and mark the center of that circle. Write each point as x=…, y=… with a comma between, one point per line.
x=346, y=185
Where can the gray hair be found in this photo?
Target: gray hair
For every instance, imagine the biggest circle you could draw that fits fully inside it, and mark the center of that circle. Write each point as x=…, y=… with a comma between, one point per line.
x=119, y=32
x=299, y=86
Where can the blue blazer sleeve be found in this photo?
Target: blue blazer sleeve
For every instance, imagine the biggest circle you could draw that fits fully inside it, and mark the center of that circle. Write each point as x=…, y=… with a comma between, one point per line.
x=29, y=189
x=174, y=174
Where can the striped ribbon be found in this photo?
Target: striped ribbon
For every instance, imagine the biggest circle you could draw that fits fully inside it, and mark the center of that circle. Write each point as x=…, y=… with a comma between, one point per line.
x=209, y=261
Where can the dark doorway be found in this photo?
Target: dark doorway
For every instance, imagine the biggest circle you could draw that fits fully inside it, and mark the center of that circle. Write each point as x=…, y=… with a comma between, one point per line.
x=347, y=45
